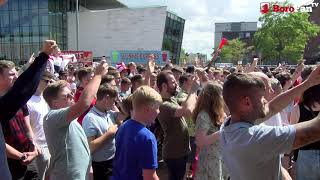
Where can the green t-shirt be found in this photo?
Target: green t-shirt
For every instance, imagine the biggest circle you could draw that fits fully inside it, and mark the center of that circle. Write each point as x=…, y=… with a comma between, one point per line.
x=181, y=97
x=176, y=136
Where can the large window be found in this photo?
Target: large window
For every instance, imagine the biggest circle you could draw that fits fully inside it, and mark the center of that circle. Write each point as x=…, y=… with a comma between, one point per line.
x=25, y=24
x=173, y=35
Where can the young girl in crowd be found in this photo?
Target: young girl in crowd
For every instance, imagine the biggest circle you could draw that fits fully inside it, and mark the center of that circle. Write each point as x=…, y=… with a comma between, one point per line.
x=208, y=116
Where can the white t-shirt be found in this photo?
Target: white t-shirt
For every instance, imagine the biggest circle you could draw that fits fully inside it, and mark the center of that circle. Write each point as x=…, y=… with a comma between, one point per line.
x=38, y=108
x=275, y=120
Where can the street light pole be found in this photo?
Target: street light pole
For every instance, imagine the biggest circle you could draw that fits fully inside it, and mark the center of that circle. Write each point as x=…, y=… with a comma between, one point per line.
x=77, y=24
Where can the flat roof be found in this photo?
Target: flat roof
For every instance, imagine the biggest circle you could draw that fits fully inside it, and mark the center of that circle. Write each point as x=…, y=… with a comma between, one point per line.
x=101, y=4
x=233, y=22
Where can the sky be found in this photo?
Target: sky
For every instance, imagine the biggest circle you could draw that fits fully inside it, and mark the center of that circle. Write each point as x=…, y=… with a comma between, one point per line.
x=200, y=16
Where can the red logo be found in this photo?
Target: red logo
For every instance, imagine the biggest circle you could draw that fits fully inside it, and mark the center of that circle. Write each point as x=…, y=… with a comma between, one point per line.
x=264, y=7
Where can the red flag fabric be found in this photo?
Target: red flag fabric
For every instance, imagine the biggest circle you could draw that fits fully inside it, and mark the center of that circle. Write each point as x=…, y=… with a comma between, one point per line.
x=223, y=42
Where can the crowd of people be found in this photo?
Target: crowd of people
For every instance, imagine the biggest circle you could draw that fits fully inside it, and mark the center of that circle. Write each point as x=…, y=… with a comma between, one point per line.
x=204, y=123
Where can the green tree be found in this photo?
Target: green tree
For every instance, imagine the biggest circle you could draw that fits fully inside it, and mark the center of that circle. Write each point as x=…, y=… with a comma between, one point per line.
x=234, y=51
x=283, y=36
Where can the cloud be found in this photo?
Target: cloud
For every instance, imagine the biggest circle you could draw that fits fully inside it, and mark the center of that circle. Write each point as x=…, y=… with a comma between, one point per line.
x=200, y=16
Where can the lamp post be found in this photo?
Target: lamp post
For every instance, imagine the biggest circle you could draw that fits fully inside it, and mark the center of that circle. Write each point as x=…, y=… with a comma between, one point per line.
x=77, y=24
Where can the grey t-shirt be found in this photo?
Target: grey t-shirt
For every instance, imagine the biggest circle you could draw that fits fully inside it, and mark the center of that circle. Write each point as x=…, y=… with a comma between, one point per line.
x=68, y=146
x=95, y=124
x=252, y=152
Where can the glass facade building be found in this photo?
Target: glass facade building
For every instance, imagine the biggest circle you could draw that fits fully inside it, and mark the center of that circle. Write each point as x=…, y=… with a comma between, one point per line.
x=25, y=24
x=173, y=34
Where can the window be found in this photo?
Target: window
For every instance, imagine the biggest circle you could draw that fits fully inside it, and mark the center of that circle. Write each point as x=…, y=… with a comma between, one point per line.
x=4, y=7
x=13, y=5
x=43, y=4
x=33, y=4
x=14, y=18
x=241, y=35
x=23, y=5
x=247, y=35
x=4, y=19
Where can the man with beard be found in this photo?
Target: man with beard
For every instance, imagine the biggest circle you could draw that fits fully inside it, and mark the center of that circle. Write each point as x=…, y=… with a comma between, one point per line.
x=253, y=151
x=176, y=146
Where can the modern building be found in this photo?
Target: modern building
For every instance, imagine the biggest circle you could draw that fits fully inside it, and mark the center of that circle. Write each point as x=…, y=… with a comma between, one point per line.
x=25, y=24
x=232, y=30
x=127, y=29
x=312, y=49
x=104, y=25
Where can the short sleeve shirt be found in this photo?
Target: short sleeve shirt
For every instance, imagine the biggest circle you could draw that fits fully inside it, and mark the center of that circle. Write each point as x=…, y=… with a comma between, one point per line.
x=253, y=151
x=95, y=124
x=136, y=150
x=176, y=136
x=68, y=146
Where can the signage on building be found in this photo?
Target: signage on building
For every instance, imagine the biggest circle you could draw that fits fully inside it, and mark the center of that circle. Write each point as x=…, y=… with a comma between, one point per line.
x=139, y=57
x=266, y=7
x=82, y=57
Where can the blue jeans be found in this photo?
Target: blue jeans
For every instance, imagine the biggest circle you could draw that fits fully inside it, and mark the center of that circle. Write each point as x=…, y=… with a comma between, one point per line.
x=176, y=168
x=308, y=165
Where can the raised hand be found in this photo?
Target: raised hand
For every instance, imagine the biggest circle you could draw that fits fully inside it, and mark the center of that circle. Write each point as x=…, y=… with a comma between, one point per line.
x=113, y=129
x=195, y=84
x=314, y=78
x=49, y=46
x=102, y=68
x=31, y=59
x=151, y=63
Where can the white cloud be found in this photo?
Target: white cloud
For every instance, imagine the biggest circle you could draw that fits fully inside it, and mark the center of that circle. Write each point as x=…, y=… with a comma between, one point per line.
x=200, y=16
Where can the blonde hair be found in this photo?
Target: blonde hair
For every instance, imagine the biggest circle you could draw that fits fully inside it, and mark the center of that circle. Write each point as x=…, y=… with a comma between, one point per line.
x=210, y=100
x=145, y=95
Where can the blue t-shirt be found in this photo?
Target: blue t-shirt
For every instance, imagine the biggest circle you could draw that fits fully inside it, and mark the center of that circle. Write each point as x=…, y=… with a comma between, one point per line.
x=136, y=150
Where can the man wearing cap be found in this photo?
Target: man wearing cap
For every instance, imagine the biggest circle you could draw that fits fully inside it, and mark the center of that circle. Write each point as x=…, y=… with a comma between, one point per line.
x=38, y=108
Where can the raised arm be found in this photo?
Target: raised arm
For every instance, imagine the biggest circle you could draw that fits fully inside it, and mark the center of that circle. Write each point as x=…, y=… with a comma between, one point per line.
x=88, y=94
x=307, y=132
x=26, y=85
x=189, y=105
x=282, y=100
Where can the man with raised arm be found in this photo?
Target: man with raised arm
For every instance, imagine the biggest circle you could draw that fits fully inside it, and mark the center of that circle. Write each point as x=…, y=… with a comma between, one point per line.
x=17, y=96
x=253, y=151
x=67, y=142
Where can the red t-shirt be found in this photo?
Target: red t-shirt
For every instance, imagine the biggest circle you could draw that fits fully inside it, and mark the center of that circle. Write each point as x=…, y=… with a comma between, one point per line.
x=76, y=98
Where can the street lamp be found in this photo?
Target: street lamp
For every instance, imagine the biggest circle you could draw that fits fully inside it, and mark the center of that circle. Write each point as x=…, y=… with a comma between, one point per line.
x=77, y=24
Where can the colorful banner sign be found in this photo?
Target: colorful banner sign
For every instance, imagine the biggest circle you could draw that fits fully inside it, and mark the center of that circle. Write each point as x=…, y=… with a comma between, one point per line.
x=139, y=57
x=83, y=58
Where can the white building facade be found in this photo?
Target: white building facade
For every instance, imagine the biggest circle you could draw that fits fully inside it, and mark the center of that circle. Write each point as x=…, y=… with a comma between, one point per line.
x=105, y=31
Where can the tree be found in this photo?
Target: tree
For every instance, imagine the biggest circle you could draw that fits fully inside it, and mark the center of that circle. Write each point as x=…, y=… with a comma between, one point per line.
x=234, y=51
x=283, y=36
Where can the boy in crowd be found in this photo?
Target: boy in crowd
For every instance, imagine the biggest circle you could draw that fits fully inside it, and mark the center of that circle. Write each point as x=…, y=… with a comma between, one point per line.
x=136, y=155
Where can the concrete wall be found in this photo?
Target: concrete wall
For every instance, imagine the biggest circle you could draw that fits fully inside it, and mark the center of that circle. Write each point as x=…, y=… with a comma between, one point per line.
x=118, y=29
x=227, y=27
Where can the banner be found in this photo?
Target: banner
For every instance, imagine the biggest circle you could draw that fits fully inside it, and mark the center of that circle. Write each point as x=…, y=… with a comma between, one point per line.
x=83, y=58
x=139, y=57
